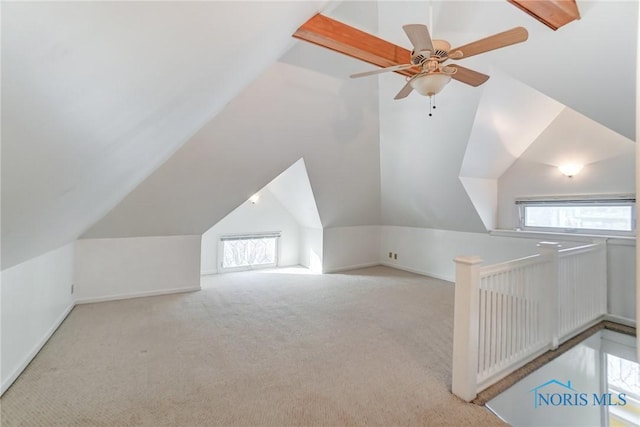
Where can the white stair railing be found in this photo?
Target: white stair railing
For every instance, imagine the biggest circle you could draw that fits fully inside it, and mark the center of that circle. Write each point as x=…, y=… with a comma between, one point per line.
x=582, y=290
x=507, y=314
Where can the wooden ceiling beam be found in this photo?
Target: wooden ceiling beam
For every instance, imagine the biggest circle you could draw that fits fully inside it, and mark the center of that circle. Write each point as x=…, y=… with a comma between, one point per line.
x=552, y=13
x=352, y=42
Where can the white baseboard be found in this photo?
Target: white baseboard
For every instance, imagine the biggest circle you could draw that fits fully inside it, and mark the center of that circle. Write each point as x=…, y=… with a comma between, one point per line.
x=621, y=320
x=34, y=351
x=208, y=272
x=137, y=295
x=417, y=271
x=351, y=267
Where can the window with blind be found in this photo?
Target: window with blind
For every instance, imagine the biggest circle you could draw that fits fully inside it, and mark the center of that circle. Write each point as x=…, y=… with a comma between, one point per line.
x=613, y=215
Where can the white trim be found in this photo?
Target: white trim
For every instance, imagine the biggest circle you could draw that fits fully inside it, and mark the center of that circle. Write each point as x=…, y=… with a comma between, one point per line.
x=621, y=320
x=584, y=198
x=248, y=236
x=138, y=295
x=417, y=271
x=208, y=272
x=505, y=372
x=570, y=237
x=614, y=241
x=242, y=268
x=577, y=331
x=34, y=351
x=350, y=267
x=628, y=201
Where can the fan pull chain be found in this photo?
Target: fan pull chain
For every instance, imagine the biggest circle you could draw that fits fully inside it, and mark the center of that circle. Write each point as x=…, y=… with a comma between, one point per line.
x=432, y=104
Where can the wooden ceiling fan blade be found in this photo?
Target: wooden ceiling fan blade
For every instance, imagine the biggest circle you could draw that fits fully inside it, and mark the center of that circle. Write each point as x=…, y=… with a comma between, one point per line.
x=496, y=41
x=382, y=70
x=404, y=92
x=468, y=76
x=419, y=36
x=337, y=36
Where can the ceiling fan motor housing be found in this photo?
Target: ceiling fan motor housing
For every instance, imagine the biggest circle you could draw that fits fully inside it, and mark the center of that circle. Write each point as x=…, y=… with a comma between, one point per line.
x=419, y=58
x=440, y=53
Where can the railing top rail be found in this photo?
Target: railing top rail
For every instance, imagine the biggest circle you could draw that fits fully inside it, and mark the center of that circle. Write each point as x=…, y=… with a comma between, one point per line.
x=508, y=265
x=580, y=248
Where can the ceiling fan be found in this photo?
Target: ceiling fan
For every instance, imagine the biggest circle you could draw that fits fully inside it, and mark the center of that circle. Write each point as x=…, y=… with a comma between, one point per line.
x=428, y=57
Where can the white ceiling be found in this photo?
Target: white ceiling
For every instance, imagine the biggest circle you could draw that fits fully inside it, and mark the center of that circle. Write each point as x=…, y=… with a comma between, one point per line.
x=479, y=132
x=288, y=113
x=557, y=63
x=293, y=190
x=540, y=130
x=505, y=126
x=98, y=95
x=574, y=138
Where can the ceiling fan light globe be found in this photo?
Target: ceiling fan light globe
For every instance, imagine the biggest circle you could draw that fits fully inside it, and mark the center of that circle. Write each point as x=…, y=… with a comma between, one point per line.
x=430, y=84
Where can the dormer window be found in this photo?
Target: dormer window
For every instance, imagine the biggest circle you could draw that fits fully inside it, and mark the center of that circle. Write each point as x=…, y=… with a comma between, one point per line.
x=611, y=214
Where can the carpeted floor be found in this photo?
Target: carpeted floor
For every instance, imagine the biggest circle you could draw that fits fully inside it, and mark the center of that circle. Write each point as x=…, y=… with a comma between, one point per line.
x=369, y=347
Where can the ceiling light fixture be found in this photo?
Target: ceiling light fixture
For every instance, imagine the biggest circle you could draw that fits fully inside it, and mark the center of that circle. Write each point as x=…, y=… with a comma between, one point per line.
x=429, y=84
x=570, y=169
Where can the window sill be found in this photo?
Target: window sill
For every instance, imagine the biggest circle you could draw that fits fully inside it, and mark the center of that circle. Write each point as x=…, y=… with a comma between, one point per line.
x=569, y=237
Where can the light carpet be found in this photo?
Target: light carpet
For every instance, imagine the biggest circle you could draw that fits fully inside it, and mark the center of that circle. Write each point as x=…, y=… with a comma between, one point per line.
x=368, y=347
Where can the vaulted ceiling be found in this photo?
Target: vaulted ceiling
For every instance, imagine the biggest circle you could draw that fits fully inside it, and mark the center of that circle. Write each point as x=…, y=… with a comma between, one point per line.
x=159, y=118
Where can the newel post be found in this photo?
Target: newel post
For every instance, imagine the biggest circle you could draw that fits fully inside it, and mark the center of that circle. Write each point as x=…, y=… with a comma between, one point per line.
x=550, y=250
x=465, y=327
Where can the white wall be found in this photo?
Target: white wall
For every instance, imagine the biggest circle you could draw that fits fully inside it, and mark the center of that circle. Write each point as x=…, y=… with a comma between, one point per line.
x=431, y=252
x=36, y=297
x=346, y=248
x=421, y=156
x=311, y=248
x=108, y=269
x=532, y=178
x=266, y=215
x=637, y=157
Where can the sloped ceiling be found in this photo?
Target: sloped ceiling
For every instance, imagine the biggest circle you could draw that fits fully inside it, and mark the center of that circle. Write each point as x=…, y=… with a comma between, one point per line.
x=570, y=65
x=421, y=156
x=498, y=138
x=570, y=138
x=96, y=95
x=574, y=138
x=293, y=190
x=608, y=159
x=529, y=176
x=291, y=111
